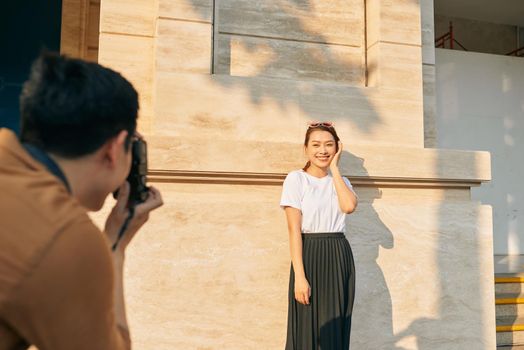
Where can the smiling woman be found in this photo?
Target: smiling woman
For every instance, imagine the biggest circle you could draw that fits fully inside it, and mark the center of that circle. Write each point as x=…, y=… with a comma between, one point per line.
x=316, y=200
x=329, y=138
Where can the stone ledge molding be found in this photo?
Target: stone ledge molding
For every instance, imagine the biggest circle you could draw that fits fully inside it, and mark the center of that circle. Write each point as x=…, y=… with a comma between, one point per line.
x=215, y=160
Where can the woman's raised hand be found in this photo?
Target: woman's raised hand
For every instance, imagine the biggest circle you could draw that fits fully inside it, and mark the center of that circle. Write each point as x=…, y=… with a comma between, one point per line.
x=336, y=157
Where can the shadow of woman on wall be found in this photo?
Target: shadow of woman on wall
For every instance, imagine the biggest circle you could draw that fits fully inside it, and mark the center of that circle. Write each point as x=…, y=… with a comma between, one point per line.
x=372, y=324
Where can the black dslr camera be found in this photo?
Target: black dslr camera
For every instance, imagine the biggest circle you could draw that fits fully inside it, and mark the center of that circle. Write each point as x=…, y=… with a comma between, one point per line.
x=138, y=190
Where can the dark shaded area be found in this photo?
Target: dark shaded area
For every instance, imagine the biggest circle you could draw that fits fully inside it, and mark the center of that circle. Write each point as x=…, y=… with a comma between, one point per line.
x=367, y=234
x=26, y=27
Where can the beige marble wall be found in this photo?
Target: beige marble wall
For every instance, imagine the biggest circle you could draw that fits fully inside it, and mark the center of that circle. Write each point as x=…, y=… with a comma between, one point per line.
x=210, y=270
x=314, y=40
x=386, y=164
x=225, y=95
x=127, y=31
x=270, y=109
x=253, y=56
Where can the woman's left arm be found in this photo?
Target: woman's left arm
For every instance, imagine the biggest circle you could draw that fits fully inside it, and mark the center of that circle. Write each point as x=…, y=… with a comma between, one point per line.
x=346, y=198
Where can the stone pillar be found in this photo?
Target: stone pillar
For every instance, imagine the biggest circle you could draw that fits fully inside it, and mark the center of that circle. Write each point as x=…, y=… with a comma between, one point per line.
x=127, y=41
x=428, y=68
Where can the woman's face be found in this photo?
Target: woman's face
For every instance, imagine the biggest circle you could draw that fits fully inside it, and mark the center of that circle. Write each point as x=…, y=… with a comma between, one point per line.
x=321, y=148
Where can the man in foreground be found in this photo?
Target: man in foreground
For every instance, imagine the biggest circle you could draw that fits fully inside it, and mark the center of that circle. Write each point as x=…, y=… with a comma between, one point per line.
x=60, y=282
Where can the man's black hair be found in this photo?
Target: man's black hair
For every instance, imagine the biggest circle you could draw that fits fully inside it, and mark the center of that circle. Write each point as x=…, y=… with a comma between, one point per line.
x=70, y=107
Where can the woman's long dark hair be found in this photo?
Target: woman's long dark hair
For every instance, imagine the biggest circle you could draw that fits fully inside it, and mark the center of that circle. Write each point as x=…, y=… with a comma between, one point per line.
x=329, y=129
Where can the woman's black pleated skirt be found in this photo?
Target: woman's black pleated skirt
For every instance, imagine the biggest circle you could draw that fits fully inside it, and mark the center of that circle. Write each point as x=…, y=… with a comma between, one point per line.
x=324, y=324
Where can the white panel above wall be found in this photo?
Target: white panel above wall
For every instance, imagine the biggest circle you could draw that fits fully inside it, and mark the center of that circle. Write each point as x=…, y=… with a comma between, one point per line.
x=480, y=106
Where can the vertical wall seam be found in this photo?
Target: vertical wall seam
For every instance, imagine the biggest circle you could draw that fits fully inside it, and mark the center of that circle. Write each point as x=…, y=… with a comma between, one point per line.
x=365, y=45
x=213, y=36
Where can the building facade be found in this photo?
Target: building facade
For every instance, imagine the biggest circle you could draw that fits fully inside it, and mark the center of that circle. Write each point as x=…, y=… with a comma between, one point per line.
x=226, y=89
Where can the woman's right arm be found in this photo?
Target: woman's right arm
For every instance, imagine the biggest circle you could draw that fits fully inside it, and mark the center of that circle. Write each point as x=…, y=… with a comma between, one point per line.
x=294, y=223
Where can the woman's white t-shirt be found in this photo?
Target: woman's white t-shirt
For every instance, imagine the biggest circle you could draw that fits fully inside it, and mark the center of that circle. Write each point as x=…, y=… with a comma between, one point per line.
x=317, y=199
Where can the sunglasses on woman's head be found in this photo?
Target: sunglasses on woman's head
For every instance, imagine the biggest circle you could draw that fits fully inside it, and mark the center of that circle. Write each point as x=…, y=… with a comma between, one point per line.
x=317, y=124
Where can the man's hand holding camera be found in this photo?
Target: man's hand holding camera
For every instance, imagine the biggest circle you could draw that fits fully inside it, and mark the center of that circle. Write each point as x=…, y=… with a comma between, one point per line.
x=120, y=212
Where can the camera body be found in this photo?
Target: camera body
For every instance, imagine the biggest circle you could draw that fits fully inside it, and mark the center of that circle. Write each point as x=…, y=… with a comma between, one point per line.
x=137, y=178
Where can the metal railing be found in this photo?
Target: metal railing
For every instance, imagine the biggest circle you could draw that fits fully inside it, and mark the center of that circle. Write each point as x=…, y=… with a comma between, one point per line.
x=448, y=37
x=518, y=52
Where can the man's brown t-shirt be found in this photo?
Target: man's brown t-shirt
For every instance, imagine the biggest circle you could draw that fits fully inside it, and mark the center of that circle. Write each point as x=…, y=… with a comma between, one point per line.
x=56, y=272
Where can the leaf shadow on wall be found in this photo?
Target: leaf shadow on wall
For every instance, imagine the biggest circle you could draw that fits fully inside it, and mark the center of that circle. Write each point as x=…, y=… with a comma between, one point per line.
x=301, y=59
